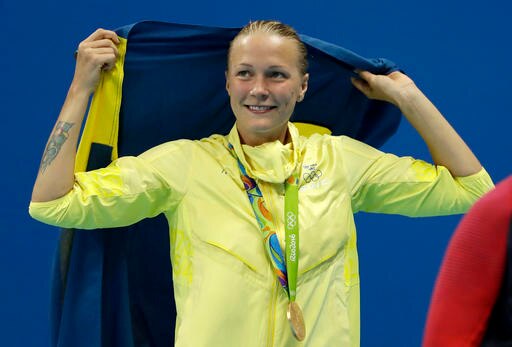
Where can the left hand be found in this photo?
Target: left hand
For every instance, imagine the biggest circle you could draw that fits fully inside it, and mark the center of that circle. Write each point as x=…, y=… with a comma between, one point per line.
x=388, y=88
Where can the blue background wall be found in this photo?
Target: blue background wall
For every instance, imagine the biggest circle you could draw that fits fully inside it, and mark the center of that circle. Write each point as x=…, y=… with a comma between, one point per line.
x=457, y=52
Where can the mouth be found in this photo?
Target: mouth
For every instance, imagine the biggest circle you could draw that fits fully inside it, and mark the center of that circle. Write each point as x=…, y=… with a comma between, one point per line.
x=259, y=108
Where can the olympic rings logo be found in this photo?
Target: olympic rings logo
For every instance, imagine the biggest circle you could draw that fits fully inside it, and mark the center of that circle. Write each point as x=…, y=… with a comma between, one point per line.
x=291, y=220
x=313, y=176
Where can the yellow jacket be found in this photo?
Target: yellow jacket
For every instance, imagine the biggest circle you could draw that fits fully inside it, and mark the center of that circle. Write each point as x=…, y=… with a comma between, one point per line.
x=226, y=293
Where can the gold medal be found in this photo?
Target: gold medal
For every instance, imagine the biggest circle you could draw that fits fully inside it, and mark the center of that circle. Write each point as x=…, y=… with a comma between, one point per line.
x=296, y=320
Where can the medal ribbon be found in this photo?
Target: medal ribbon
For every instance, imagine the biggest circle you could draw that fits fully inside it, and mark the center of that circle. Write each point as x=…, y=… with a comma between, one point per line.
x=291, y=220
x=288, y=279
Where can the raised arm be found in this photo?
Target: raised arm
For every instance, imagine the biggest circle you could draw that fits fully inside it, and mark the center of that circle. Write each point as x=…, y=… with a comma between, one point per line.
x=96, y=53
x=446, y=147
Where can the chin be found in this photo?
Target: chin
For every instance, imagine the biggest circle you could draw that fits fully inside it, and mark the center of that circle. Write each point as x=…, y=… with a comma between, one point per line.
x=264, y=127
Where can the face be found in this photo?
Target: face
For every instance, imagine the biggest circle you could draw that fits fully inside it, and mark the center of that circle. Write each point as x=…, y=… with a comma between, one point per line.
x=264, y=82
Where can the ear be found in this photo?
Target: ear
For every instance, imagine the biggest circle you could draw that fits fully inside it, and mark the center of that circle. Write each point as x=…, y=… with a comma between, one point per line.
x=303, y=87
x=227, y=80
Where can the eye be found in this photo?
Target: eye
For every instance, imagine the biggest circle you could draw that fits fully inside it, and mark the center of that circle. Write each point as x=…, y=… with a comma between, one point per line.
x=243, y=74
x=277, y=75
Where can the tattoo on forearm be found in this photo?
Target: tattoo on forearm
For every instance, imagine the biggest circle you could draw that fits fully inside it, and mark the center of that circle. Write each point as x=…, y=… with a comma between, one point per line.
x=59, y=135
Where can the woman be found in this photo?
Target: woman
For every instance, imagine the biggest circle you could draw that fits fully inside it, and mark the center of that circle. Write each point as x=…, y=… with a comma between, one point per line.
x=260, y=184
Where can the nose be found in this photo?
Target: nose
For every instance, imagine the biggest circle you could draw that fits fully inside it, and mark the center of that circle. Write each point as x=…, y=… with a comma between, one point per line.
x=259, y=89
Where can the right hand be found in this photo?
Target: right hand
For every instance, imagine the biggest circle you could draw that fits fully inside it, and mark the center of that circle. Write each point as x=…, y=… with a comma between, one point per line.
x=96, y=53
x=390, y=88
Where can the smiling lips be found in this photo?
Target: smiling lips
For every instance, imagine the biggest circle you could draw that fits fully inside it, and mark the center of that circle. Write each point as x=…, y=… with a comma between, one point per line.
x=259, y=108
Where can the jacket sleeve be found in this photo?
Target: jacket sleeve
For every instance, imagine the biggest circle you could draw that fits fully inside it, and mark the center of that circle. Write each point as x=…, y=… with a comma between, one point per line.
x=127, y=191
x=384, y=183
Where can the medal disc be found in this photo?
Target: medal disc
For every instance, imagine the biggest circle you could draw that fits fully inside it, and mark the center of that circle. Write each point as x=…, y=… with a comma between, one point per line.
x=296, y=320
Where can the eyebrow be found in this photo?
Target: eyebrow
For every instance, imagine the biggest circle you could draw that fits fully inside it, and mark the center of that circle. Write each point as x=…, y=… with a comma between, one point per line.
x=270, y=67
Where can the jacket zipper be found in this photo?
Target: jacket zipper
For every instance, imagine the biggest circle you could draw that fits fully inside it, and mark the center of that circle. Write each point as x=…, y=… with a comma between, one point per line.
x=269, y=199
x=272, y=315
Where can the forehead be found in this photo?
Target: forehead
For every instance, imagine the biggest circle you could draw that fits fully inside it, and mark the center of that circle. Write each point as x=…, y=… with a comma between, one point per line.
x=264, y=48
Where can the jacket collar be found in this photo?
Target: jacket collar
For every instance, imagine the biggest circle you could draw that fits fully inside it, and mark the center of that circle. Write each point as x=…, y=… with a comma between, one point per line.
x=271, y=162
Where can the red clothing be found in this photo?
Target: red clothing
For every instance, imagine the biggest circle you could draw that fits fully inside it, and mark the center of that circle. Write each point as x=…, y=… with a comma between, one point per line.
x=472, y=273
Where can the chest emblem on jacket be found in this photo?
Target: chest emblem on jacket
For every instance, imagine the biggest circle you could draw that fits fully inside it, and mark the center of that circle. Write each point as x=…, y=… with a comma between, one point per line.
x=312, y=177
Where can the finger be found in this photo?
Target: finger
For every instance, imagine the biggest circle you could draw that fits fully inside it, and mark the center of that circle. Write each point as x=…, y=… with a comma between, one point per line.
x=91, y=47
x=102, y=50
x=101, y=43
x=89, y=50
x=103, y=57
x=395, y=73
x=361, y=85
x=97, y=44
x=366, y=75
x=103, y=34
x=108, y=61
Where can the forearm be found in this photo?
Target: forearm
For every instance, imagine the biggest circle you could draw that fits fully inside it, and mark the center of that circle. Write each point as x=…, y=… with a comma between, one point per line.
x=445, y=145
x=56, y=172
x=96, y=53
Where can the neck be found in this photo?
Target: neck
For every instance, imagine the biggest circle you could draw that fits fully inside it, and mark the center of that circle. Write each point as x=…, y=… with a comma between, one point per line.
x=259, y=139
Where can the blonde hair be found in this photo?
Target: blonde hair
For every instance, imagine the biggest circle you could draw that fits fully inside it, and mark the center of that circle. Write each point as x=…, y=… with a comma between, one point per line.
x=277, y=28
